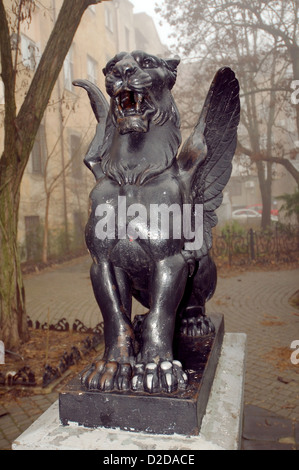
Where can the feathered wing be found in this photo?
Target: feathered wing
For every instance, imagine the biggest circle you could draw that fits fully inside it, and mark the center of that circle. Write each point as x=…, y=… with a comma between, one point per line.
x=207, y=155
x=100, y=108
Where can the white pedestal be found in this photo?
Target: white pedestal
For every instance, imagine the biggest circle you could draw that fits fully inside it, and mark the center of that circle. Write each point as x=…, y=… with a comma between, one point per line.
x=220, y=430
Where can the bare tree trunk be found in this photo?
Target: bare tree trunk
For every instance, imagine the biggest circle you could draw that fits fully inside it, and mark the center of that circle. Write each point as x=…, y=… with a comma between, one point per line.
x=46, y=230
x=266, y=192
x=20, y=133
x=13, y=325
x=294, y=53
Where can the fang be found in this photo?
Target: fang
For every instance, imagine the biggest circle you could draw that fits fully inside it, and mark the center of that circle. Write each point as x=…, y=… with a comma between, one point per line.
x=138, y=97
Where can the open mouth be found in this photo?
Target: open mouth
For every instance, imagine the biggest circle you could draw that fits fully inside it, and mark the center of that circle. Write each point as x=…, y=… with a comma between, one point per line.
x=131, y=103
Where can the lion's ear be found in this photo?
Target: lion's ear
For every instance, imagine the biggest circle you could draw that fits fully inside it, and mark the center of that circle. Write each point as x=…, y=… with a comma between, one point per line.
x=172, y=64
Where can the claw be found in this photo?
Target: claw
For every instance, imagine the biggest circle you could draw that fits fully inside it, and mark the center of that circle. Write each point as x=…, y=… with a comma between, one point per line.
x=91, y=377
x=123, y=376
x=107, y=379
x=137, y=380
x=167, y=377
x=197, y=326
x=182, y=378
x=101, y=376
x=151, y=380
x=169, y=381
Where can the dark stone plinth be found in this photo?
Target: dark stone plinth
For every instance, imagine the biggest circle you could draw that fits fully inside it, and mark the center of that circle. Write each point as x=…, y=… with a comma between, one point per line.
x=177, y=413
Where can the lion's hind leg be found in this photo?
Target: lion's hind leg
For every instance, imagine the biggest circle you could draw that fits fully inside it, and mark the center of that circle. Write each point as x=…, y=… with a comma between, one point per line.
x=199, y=289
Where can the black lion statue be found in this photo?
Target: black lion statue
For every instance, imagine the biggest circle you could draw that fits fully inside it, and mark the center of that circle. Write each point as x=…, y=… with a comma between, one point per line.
x=151, y=217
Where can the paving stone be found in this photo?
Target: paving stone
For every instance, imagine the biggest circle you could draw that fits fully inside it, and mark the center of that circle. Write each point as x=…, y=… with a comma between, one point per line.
x=5, y=444
x=265, y=445
x=252, y=410
x=11, y=433
x=266, y=428
x=246, y=300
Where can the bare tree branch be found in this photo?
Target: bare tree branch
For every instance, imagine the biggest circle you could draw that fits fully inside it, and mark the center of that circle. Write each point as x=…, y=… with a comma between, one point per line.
x=7, y=74
x=281, y=161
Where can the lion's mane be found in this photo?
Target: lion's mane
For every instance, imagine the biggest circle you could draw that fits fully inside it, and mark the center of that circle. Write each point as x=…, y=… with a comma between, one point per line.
x=159, y=149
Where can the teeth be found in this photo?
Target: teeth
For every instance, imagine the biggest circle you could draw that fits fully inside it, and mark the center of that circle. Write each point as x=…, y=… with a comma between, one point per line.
x=117, y=99
x=138, y=99
x=127, y=105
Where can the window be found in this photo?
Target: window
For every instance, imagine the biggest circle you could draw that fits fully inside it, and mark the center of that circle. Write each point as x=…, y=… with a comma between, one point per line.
x=68, y=68
x=92, y=70
x=39, y=152
x=75, y=154
x=108, y=19
x=30, y=53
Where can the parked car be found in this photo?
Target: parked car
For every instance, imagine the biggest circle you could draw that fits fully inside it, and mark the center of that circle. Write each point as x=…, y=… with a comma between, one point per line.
x=250, y=216
x=246, y=216
x=259, y=208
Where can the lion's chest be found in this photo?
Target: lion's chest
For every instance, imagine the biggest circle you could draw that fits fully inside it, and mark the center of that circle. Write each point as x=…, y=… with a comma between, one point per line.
x=163, y=189
x=135, y=221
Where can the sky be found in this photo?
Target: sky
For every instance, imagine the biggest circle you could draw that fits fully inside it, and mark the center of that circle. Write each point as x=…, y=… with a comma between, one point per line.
x=148, y=6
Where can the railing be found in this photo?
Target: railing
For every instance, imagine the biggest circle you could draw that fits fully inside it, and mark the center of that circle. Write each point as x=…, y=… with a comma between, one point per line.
x=280, y=244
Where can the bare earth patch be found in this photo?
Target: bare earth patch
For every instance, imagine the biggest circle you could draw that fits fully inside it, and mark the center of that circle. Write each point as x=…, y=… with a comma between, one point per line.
x=45, y=347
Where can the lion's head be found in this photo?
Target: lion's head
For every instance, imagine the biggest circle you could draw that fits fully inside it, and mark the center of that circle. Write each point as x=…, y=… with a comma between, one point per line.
x=142, y=134
x=139, y=85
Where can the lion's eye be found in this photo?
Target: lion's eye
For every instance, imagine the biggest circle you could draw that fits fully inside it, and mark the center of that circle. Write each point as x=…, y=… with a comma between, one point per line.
x=149, y=62
x=110, y=67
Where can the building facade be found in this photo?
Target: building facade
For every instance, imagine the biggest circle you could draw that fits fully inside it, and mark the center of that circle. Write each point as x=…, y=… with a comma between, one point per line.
x=56, y=184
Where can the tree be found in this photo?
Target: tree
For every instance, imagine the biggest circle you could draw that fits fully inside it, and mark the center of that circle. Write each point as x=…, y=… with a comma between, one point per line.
x=52, y=179
x=290, y=204
x=20, y=129
x=207, y=22
x=259, y=40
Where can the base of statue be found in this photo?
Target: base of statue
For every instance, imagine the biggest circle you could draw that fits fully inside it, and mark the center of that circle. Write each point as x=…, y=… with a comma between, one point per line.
x=180, y=412
x=221, y=425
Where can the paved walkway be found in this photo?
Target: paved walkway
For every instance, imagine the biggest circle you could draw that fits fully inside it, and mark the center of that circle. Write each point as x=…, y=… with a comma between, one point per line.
x=255, y=303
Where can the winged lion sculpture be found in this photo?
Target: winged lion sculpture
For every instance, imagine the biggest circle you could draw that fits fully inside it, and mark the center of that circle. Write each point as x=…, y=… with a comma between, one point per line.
x=134, y=158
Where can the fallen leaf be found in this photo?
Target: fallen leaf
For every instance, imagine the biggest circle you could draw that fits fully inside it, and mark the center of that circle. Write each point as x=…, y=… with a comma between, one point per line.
x=272, y=323
x=284, y=381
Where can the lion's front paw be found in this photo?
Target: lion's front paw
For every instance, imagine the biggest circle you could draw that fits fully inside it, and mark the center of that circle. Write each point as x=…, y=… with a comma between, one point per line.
x=107, y=375
x=197, y=326
x=167, y=377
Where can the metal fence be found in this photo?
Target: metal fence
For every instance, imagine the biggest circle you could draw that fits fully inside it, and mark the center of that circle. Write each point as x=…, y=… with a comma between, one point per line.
x=280, y=244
